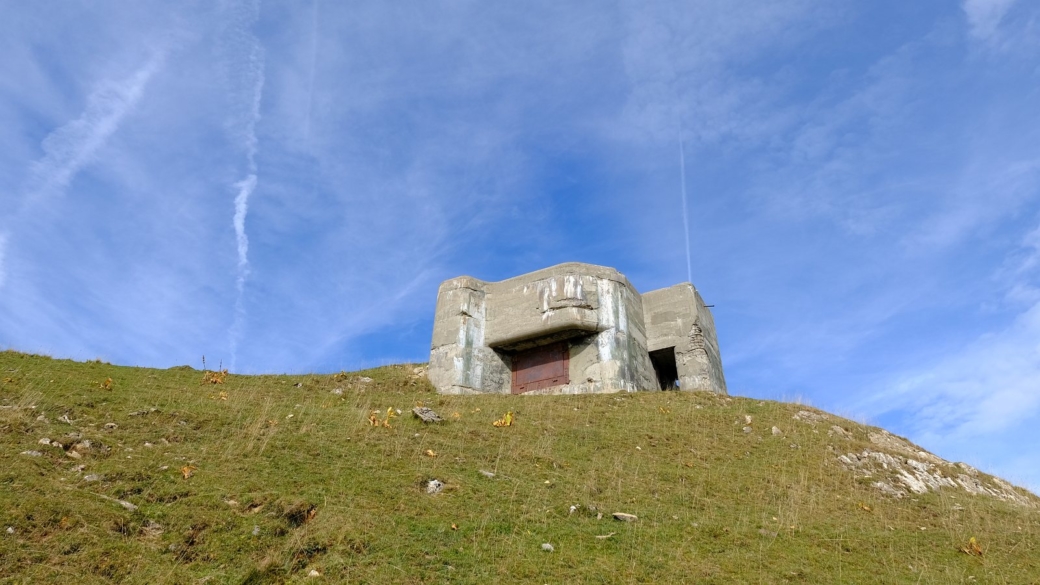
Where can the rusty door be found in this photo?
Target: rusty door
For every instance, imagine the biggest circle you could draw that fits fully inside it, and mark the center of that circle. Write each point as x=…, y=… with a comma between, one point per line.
x=541, y=367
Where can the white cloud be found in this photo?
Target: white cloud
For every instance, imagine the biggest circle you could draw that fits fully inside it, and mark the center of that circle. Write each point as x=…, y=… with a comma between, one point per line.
x=984, y=16
x=989, y=386
x=74, y=145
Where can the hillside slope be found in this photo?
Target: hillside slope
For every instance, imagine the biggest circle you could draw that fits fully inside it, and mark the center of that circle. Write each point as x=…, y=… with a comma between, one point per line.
x=177, y=476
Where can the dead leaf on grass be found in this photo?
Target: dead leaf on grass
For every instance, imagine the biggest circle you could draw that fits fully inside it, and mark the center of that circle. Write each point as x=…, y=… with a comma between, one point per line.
x=188, y=471
x=107, y=384
x=505, y=421
x=215, y=377
x=972, y=548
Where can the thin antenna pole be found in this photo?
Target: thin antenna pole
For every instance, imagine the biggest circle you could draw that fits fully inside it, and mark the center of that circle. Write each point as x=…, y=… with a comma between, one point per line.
x=685, y=215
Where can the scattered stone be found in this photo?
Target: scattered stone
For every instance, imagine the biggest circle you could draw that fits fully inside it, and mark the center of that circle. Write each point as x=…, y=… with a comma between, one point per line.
x=32, y=453
x=152, y=530
x=434, y=486
x=809, y=416
x=547, y=547
x=622, y=516
x=747, y=429
x=127, y=505
x=298, y=385
x=314, y=573
x=419, y=372
x=92, y=477
x=65, y=419
x=10, y=529
x=42, y=419
x=144, y=412
x=777, y=432
x=574, y=509
x=45, y=441
x=148, y=445
x=900, y=476
x=747, y=419
x=487, y=474
x=891, y=442
x=364, y=379
x=256, y=530
x=337, y=391
x=971, y=470
x=74, y=454
x=837, y=431
x=427, y=415
x=110, y=426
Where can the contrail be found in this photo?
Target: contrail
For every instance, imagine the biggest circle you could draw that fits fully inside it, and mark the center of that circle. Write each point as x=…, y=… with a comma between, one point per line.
x=72, y=146
x=75, y=144
x=685, y=215
x=247, y=69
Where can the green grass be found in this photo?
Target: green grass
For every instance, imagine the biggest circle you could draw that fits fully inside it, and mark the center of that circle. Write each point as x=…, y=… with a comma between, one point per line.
x=289, y=477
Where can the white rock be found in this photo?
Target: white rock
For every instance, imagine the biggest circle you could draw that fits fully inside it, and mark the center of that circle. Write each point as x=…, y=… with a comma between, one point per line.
x=32, y=453
x=337, y=391
x=547, y=547
x=364, y=379
x=110, y=426
x=92, y=477
x=314, y=573
x=809, y=416
x=777, y=431
x=747, y=429
x=622, y=516
x=747, y=419
x=434, y=486
x=45, y=441
x=487, y=474
x=839, y=431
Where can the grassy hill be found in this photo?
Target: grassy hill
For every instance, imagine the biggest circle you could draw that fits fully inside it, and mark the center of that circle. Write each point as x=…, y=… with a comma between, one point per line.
x=184, y=476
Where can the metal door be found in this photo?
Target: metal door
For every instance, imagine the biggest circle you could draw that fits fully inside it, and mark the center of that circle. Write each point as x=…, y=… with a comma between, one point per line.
x=541, y=367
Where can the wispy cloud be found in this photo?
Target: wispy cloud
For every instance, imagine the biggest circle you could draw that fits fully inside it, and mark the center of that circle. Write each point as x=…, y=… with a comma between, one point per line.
x=75, y=144
x=988, y=386
x=984, y=16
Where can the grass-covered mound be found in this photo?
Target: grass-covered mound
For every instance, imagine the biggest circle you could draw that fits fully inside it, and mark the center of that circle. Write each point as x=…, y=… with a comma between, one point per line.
x=181, y=476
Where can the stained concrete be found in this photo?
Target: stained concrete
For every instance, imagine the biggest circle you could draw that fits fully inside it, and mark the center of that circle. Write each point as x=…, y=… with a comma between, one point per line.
x=607, y=326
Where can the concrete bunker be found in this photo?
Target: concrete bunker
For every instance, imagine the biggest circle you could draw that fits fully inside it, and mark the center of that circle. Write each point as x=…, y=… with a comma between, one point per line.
x=573, y=328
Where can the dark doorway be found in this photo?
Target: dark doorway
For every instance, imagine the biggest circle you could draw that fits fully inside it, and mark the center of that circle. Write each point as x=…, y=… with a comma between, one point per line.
x=664, y=366
x=541, y=367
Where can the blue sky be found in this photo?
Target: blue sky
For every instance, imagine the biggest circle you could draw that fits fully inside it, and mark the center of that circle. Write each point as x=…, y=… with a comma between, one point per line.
x=280, y=187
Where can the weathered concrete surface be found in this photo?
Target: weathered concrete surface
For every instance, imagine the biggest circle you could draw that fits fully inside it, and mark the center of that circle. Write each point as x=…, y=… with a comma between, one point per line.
x=480, y=326
x=678, y=318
